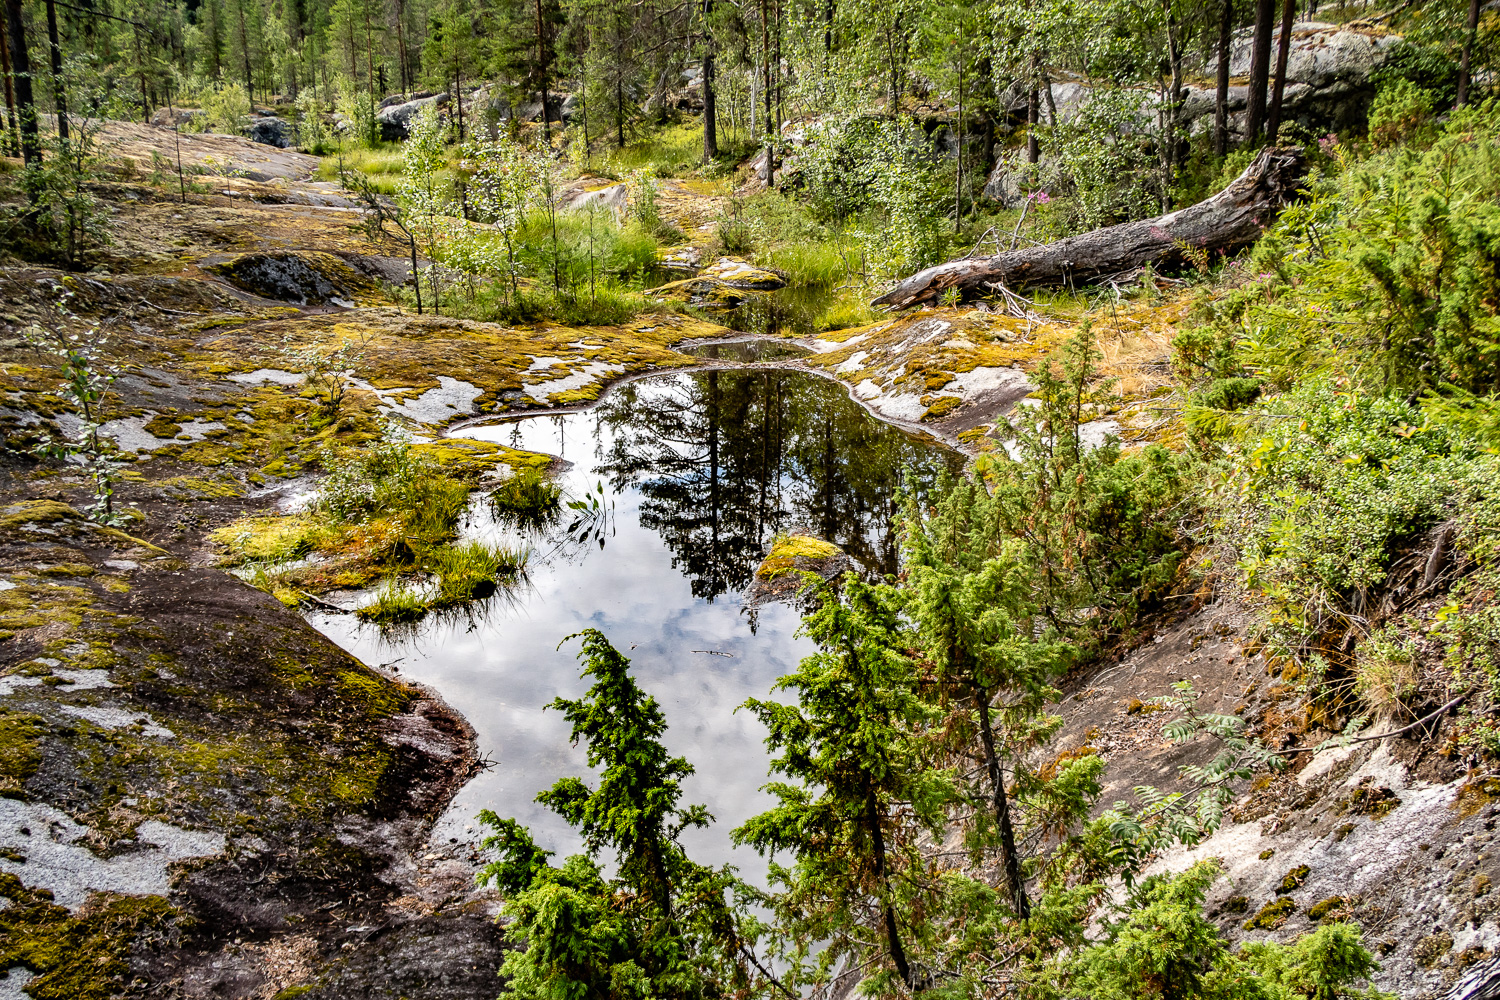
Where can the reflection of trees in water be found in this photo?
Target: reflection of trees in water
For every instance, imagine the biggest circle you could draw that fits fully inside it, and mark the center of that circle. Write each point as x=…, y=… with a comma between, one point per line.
x=725, y=459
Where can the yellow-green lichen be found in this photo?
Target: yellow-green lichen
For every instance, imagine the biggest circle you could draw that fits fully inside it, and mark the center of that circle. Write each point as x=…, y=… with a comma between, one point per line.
x=787, y=549
x=20, y=749
x=75, y=957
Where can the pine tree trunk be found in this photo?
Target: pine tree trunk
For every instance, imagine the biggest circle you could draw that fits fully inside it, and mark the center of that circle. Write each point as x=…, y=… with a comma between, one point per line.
x=31, y=147
x=12, y=141
x=1468, y=54
x=1221, y=82
x=541, y=68
x=710, y=126
x=1283, y=49
x=1009, y=856
x=59, y=97
x=1260, y=70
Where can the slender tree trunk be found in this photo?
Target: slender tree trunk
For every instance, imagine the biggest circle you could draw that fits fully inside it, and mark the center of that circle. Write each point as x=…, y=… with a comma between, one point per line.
x=1033, y=119
x=710, y=125
x=31, y=148
x=416, y=276
x=765, y=52
x=370, y=64
x=1260, y=70
x=59, y=97
x=244, y=54
x=892, y=930
x=12, y=136
x=541, y=68
x=958, y=160
x=1283, y=49
x=1468, y=54
x=1221, y=82
x=1009, y=856
x=401, y=45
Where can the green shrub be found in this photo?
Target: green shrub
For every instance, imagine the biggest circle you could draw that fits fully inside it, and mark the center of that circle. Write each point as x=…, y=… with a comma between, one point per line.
x=1163, y=947
x=1317, y=502
x=226, y=109
x=1401, y=112
x=1390, y=273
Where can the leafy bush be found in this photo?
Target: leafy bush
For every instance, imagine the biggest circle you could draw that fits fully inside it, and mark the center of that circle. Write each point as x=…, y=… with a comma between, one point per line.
x=1317, y=498
x=226, y=109
x=1400, y=113
x=1389, y=273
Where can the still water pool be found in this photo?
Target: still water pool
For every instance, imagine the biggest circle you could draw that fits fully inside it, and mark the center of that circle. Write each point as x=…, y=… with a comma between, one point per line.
x=698, y=472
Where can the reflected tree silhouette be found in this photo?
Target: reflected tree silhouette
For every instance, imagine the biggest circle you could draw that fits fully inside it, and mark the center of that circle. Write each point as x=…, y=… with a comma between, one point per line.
x=725, y=459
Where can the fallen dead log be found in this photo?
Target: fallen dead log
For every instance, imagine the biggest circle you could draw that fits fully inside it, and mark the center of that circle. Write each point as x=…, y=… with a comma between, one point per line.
x=1231, y=219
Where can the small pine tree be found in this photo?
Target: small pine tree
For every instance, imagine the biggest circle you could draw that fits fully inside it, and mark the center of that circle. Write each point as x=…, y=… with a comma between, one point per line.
x=663, y=925
x=859, y=791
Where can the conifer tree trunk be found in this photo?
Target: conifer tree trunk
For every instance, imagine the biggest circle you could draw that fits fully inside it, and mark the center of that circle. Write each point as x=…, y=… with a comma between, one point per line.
x=1260, y=70
x=59, y=97
x=1283, y=49
x=1221, y=82
x=541, y=68
x=401, y=44
x=1010, y=857
x=1468, y=54
x=31, y=149
x=710, y=126
x=244, y=53
x=12, y=141
x=892, y=930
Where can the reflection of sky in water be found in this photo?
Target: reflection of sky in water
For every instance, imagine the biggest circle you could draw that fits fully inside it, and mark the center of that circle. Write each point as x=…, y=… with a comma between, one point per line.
x=502, y=668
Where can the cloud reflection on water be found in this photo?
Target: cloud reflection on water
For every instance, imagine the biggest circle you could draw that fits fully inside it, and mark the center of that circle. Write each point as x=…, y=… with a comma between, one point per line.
x=702, y=471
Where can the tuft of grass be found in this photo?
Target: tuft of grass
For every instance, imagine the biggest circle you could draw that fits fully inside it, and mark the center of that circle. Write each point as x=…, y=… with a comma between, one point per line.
x=674, y=150
x=397, y=603
x=472, y=570
x=815, y=264
x=527, y=498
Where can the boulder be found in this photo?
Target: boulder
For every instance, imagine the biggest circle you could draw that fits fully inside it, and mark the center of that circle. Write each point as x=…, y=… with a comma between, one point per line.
x=394, y=99
x=395, y=121
x=270, y=132
x=1321, y=55
x=301, y=277
x=531, y=111
x=1011, y=180
x=735, y=273
x=167, y=117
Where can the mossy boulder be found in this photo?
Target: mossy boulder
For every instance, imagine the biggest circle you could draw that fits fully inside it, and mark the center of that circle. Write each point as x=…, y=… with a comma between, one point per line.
x=736, y=273
x=303, y=277
x=787, y=566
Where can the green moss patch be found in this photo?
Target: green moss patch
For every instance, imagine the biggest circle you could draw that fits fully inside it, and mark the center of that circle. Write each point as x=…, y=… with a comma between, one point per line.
x=790, y=552
x=1272, y=915
x=20, y=749
x=82, y=957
